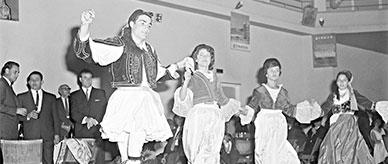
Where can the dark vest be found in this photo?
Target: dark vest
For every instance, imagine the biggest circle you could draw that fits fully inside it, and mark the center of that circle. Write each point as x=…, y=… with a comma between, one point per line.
x=127, y=70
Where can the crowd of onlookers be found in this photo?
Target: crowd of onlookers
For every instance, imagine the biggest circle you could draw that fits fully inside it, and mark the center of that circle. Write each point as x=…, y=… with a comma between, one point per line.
x=38, y=114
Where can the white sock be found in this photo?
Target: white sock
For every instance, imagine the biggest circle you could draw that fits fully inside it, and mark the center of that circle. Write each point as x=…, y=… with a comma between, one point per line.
x=123, y=148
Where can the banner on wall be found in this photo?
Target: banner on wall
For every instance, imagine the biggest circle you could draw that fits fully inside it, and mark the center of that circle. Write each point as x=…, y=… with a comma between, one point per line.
x=239, y=32
x=9, y=10
x=324, y=50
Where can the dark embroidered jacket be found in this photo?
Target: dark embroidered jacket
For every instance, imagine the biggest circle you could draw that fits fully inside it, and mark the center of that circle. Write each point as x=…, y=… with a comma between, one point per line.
x=205, y=91
x=261, y=99
x=330, y=108
x=127, y=71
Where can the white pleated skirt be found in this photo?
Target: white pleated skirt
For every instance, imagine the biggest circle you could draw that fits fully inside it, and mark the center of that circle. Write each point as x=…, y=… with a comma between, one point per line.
x=135, y=109
x=271, y=145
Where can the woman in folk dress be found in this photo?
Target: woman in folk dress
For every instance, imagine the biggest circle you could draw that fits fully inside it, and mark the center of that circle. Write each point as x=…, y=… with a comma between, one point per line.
x=201, y=100
x=271, y=100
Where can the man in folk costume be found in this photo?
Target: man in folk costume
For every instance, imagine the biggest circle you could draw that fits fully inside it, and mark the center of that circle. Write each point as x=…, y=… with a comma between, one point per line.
x=135, y=113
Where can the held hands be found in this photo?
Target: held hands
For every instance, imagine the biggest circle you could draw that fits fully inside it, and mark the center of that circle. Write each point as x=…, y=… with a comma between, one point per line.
x=87, y=16
x=189, y=68
x=21, y=111
x=90, y=122
x=188, y=75
x=33, y=114
x=243, y=111
x=189, y=64
x=185, y=62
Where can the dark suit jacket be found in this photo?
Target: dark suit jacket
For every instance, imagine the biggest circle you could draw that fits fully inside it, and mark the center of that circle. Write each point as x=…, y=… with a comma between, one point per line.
x=43, y=127
x=81, y=108
x=8, y=116
x=312, y=139
x=61, y=114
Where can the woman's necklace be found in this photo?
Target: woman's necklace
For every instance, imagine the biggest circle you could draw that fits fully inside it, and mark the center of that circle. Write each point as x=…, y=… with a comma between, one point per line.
x=342, y=93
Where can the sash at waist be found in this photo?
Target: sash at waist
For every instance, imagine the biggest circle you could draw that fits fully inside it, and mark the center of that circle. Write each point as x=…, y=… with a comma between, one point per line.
x=208, y=104
x=271, y=110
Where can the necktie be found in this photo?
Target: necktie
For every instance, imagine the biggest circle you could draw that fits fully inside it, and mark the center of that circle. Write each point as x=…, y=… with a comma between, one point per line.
x=37, y=99
x=67, y=107
x=12, y=90
x=87, y=94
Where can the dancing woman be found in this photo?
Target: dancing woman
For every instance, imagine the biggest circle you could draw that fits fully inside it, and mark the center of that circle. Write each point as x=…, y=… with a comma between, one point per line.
x=271, y=100
x=343, y=143
x=201, y=100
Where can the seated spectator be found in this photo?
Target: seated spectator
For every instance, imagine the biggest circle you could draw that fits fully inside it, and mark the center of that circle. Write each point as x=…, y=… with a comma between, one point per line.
x=173, y=152
x=229, y=153
x=296, y=136
x=315, y=135
x=376, y=135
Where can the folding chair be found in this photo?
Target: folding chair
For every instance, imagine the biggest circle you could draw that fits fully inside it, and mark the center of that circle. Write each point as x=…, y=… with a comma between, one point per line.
x=22, y=151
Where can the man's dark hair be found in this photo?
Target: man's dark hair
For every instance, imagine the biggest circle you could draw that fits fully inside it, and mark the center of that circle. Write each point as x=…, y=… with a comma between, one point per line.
x=83, y=71
x=8, y=65
x=35, y=73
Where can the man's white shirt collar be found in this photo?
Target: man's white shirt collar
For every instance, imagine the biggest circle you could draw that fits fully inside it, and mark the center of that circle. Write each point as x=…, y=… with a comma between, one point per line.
x=8, y=81
x=89, y=89
x=40, y=92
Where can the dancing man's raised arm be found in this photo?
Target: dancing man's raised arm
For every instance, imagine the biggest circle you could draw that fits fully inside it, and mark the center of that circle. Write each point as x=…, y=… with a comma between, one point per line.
x=99, y=51
x=87, y=18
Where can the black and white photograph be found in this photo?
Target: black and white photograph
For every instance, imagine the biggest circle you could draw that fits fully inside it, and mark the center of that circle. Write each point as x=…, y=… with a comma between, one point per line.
x=194, y=82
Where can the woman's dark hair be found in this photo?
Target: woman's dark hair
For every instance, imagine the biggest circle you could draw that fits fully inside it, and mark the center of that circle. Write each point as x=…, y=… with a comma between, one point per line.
x=271, y=62
x=347, y=74
x=209, y=49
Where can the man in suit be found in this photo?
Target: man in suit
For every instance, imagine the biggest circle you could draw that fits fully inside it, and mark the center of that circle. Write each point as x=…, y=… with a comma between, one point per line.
x=9, y=103
x=39, y=122
x=365, y=127
x=173, y=152
x=88, y=105
x=63, y=126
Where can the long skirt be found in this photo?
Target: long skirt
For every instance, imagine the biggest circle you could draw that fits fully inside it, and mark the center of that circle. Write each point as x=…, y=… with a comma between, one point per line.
x=271, y=145
x=203, y=133
x=344, y=144
x=135, y=109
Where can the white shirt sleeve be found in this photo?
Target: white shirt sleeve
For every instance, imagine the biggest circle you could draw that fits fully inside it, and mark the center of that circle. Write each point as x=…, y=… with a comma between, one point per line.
x=161, y=71
x=246, y=119
x=104, y=54
x=182, y=107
